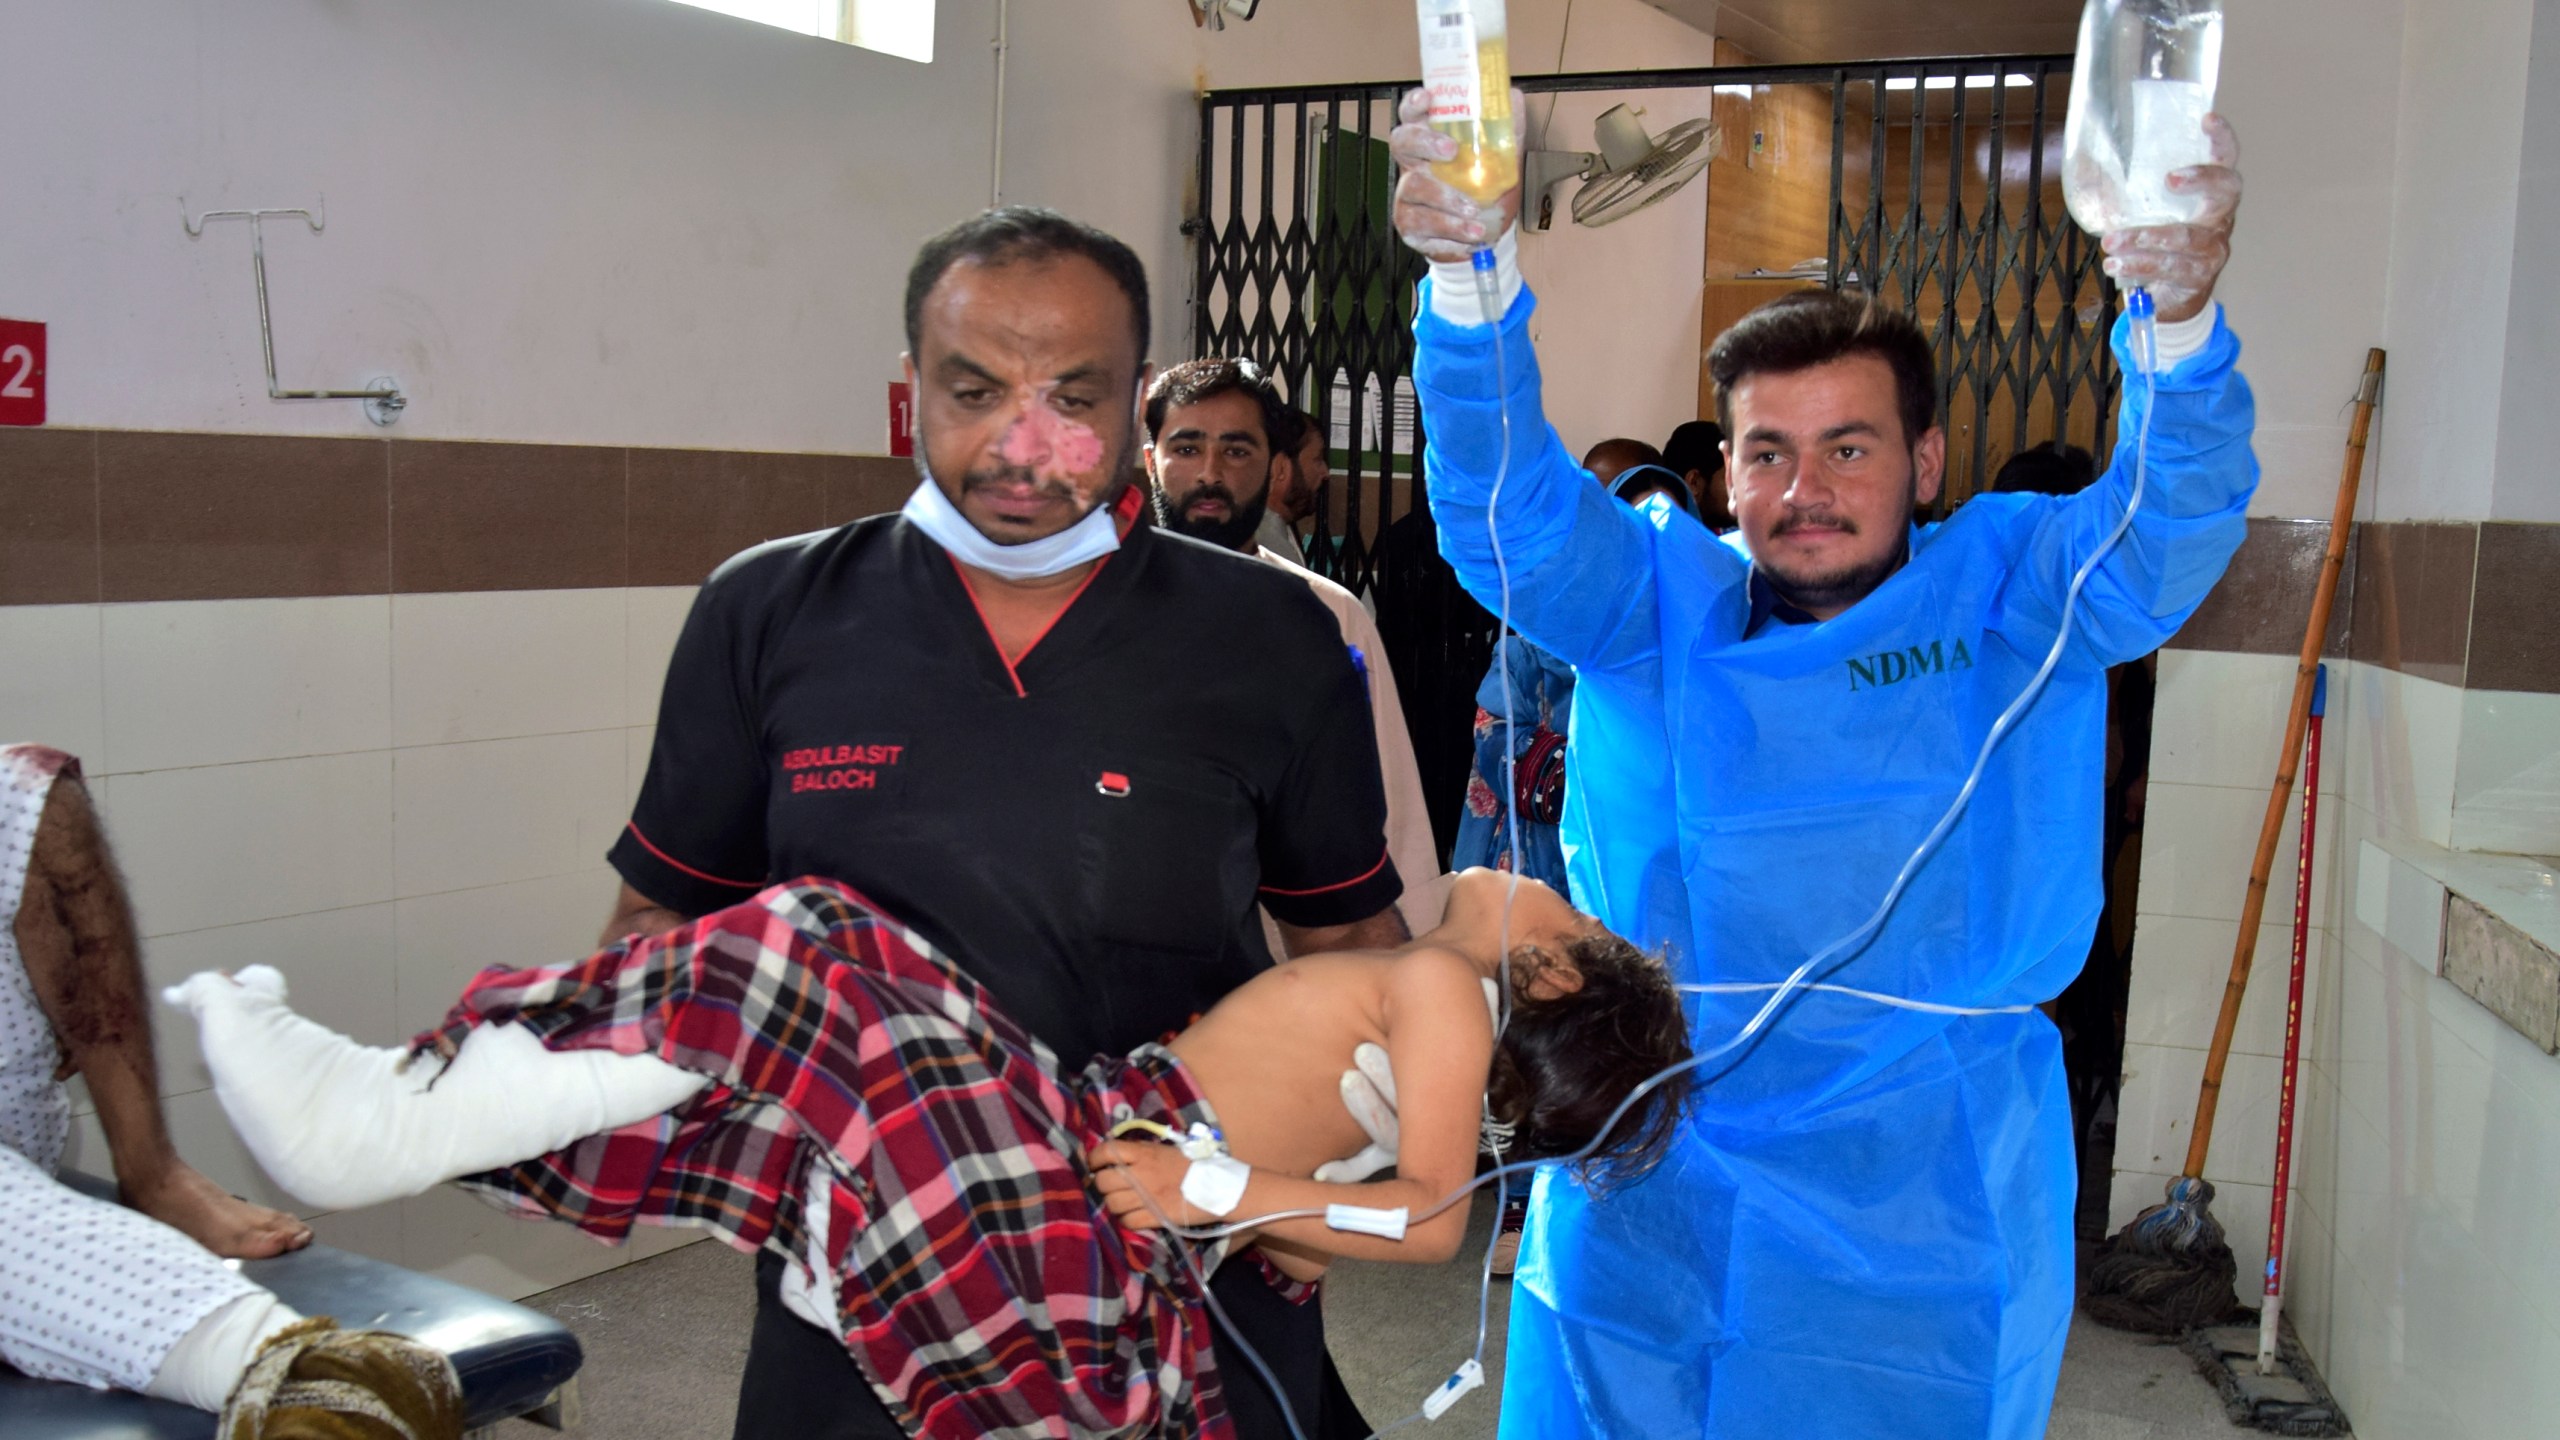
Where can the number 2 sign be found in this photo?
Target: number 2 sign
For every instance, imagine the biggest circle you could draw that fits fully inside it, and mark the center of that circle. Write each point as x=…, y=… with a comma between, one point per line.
x=21, y=372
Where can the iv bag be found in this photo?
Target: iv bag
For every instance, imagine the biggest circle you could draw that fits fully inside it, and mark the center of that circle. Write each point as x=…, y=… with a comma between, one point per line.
x=1466, y=71
x=2140, y=90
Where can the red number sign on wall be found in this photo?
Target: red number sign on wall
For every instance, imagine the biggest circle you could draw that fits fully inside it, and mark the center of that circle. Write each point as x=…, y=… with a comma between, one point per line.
x=902, y=420
x=21, y=372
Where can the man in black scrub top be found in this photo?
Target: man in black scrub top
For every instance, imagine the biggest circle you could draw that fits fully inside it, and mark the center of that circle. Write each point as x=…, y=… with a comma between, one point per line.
x=1073, y=751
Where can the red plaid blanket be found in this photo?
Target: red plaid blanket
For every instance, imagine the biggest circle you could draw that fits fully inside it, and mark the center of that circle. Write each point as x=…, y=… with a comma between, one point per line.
x=980, y=1287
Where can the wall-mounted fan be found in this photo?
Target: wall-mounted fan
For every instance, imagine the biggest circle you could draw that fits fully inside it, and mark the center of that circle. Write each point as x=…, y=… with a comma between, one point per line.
x=1630, y=171
x=1214, y=13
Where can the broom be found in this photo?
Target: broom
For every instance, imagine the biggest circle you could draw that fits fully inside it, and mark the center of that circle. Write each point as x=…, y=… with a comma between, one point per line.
x=2170, y=1269
x=2280, y=1390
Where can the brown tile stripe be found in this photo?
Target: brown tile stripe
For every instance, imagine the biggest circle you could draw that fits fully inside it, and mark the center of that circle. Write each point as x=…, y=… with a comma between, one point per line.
x=692, y=509
x=859, y=485
x=468, y=516
x=2413, y=598
x=228, y=517
x=150, y=515
x=2515, y=613
x=48, y=517
x=2264, y=597
x=2461, y=603
x=129, y=515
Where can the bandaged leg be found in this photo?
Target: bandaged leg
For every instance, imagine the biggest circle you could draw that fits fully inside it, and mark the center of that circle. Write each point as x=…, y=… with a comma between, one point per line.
x=99, y=1295
x=342, y=1125
x=206, y=1364
x=314, y=1381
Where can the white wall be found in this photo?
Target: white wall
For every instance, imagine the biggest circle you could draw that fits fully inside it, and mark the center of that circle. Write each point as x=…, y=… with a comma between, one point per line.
x=2427, y=1141
x=620, y=222
x=632, y=222
x=379, y=795
x=606, y=221
x=2528, y=487
x=2400, y=190
x=600, y=221
x=2461, y=139
x=2310, y=86
x=1101, y=121
x=2429, y=1148
x=1618, y=307
x=2217, y=722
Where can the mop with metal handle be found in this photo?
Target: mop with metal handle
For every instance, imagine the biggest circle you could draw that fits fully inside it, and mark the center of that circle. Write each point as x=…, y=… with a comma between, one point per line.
x=2271, y=1308
x=2169, y=1269
x=2279, y=1389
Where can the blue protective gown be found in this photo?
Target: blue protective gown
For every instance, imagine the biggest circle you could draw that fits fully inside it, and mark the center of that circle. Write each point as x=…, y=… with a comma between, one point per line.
x=1865, y=1227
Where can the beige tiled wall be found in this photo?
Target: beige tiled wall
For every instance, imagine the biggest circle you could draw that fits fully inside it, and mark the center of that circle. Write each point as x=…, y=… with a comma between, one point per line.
x=2431, y=1140
x=2219, y=719
x=2425, y=1250
x=2407, y=739
x=376, y=794
x=2431, y=1255
x=2506, y=786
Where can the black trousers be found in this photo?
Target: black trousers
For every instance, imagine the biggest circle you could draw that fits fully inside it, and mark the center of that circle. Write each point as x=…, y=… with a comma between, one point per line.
x=801, y=1385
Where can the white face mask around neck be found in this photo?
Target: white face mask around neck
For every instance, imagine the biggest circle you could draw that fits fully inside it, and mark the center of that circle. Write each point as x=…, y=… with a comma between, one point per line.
x=1089, y=539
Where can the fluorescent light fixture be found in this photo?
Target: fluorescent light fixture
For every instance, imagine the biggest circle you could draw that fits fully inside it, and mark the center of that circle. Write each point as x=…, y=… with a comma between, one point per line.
x=1742, y=92
x=903, y=28
x=806, y=17
x=1948, y=82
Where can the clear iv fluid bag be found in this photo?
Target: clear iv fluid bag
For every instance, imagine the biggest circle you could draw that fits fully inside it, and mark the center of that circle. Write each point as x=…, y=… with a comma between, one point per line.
x=2140, y=90
x=1466, y=70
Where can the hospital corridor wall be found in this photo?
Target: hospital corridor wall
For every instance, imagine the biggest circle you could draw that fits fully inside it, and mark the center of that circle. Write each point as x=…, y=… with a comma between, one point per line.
x=2402, y=193
x=369, y=704
x=379, y=793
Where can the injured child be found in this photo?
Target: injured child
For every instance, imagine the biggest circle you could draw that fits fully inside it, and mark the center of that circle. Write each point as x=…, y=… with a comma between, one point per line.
x=801, y=1072
x=138, y=1296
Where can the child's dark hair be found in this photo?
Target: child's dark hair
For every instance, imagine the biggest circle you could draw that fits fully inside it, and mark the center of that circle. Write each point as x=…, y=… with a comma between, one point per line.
x=1565, y=1063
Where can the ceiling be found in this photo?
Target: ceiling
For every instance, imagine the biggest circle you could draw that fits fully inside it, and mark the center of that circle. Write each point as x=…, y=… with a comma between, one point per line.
x=1782, y=32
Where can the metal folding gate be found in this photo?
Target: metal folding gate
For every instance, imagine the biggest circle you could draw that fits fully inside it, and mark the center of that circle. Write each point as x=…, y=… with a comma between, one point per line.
x=1943, y=200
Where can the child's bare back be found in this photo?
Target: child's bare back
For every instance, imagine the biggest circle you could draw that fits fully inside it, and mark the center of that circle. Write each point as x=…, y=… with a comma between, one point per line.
x=1271, y=1055
x=1271, y=1058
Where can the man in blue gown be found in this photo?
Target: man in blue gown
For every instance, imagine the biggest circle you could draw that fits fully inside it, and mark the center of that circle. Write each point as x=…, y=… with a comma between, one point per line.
x=1866, y=1230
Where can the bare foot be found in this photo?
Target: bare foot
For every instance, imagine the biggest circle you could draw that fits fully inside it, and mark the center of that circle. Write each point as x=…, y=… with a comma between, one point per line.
x=219, y=1221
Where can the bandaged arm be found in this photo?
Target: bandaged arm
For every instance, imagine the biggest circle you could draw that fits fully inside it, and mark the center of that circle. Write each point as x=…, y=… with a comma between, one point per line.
x=1581, y=564
x=341, y=1125
x=2199, y=473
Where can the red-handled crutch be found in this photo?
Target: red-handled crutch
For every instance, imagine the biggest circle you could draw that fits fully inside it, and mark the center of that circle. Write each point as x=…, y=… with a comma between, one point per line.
x=2269, y=1314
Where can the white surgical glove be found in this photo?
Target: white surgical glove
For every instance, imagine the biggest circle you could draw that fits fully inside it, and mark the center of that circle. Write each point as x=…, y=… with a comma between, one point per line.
x=1369, y=1093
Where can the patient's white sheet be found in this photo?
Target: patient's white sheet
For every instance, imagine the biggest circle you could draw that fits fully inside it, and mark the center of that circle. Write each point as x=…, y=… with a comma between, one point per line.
x=90, y=1292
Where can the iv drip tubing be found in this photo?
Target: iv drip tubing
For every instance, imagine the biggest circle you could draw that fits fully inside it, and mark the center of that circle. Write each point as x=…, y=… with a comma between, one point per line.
x=2139, y=307
x=1856, y=938
x=1488, y=297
